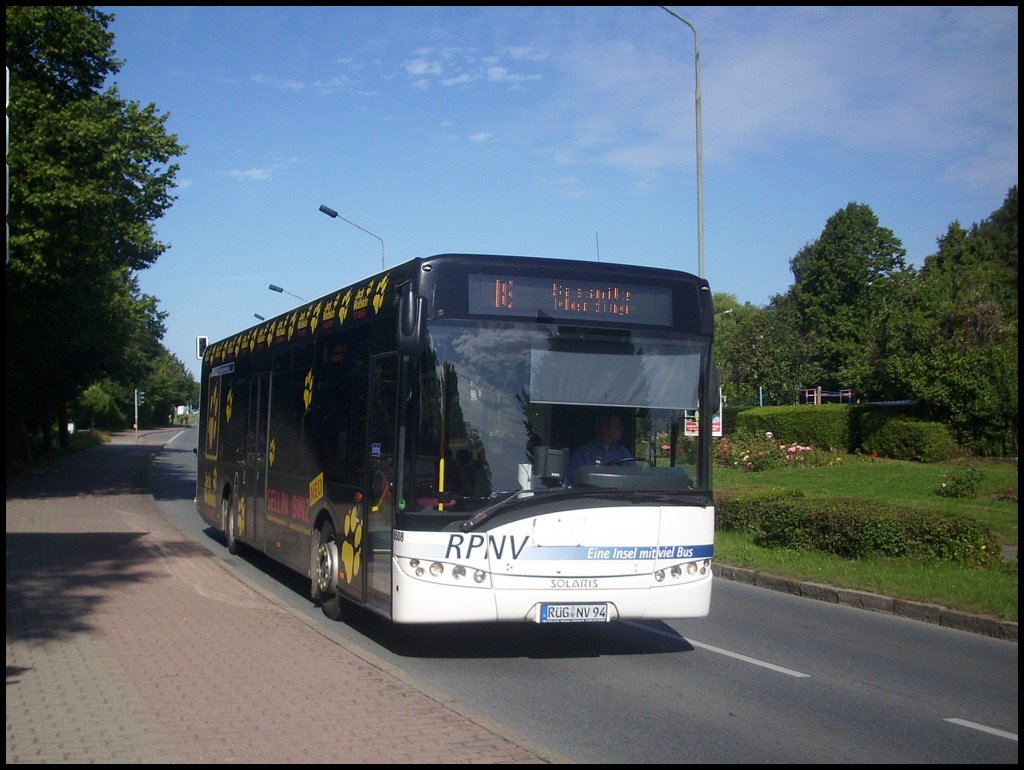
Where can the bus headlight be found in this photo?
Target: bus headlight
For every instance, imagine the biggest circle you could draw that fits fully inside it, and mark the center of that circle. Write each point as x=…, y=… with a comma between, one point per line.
x=444, y=573
x=683, y=571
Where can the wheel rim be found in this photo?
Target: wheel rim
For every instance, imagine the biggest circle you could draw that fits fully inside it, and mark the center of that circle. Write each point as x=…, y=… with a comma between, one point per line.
x=327, y=568
x=227, y=521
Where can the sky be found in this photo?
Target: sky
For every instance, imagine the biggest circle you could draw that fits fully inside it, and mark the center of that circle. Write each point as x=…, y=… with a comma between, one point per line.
x=555, y=131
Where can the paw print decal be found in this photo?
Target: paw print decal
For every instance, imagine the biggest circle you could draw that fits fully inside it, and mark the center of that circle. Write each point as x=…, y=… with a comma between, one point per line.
x=307, y=389
x=241, y=516
x=351, y=544
x=378, y=297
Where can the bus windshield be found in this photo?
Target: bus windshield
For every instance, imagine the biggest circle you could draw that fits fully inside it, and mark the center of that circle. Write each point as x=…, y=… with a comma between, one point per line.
x=503, y=406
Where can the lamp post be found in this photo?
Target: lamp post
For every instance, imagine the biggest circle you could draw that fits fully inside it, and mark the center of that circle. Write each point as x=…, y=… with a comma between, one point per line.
x=335, y=215
x=700, y=156
x=279, y=290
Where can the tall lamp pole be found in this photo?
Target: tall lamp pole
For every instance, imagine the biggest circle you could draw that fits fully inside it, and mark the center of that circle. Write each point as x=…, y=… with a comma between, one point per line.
x=700, y=156
x=335, y=215
x=279, y=290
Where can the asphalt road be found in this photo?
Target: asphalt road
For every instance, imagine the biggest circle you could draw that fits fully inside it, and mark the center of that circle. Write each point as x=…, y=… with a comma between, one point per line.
x=767, y=677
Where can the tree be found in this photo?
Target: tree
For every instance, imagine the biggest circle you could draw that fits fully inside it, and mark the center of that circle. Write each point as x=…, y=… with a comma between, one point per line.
x=951, y=343
x=761, y=356
x=842, y=282
x=89, y=173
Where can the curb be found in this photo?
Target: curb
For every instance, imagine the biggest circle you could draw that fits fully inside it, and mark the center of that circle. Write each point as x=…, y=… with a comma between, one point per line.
x=865, y=600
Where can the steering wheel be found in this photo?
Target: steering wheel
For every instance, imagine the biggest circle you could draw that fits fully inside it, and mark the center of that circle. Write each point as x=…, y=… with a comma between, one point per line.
x=622, y=460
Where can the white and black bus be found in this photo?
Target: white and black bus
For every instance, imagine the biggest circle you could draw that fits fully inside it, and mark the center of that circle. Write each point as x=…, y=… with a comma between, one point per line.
x=405, y=441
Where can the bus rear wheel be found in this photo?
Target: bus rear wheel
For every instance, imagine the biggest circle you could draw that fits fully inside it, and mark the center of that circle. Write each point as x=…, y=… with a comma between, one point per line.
x=325, y=576
x=227, y=522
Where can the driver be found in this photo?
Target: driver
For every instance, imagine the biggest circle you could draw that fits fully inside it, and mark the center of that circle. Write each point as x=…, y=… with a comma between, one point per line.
x=603, y=449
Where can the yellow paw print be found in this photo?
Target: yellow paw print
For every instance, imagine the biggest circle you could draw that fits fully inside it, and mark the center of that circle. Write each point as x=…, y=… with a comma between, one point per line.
x=241, y=516
x=351, y=544
x=378, y=298
x=307, y=389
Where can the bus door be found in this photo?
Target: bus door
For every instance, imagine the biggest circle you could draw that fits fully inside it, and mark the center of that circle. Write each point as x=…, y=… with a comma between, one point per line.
x=382, y=435
x=254, y=494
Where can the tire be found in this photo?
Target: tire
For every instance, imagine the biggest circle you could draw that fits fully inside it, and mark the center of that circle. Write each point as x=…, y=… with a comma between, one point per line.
x=325, y=575
x=227, y=520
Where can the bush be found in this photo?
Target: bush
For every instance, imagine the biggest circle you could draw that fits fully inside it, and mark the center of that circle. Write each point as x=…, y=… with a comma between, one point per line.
x=743, y=513
x=761, y=452
x=857, y=529
x=825, y=426
x=962, y=483
x=906, y=438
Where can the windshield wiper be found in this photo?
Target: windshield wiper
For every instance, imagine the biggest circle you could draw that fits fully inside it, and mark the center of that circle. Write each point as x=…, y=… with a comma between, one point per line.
x=507, y=503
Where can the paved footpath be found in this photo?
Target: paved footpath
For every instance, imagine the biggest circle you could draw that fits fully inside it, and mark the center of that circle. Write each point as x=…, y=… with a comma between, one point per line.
x=129, y=643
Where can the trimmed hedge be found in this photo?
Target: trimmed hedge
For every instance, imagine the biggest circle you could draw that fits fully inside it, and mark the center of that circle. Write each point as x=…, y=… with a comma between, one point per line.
x=826, y=426
x=856, y=529
x=906, y=438
x=891, y=432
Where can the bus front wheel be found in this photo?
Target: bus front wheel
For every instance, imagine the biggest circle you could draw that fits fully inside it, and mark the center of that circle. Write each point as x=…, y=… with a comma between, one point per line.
x=326, y=575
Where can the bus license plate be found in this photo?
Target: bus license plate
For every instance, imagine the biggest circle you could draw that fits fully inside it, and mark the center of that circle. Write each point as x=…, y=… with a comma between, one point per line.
x=573, y=613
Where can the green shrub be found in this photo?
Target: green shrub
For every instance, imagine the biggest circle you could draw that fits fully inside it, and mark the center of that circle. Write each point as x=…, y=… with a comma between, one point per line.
x=743, y=513
x=762, y=452
x=962, y=483
x=856, y=529
x=906, y=438
x=825, y=427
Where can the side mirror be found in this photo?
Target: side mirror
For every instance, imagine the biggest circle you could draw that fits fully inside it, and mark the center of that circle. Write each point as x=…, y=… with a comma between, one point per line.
x=410, y=322
x=201, y=343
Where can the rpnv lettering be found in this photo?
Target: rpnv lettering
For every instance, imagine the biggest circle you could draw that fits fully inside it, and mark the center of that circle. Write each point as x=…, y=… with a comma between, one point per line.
x=482, y=546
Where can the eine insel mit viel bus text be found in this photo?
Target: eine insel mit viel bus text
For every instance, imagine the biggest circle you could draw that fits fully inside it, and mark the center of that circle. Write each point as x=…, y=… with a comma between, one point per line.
x=405, y=441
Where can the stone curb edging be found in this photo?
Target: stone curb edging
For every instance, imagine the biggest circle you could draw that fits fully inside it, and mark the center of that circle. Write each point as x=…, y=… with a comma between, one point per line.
x=865, y=600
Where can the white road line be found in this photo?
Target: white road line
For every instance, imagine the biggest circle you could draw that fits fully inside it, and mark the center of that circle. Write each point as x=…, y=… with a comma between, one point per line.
x=982, y=728
x=720, y=651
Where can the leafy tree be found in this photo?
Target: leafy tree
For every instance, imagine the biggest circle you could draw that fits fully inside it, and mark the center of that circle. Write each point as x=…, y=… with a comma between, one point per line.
x=167, y=387
x=89, y=173
x=760, y=355
x=842, y=282
x=103, y=405
x=952, y=341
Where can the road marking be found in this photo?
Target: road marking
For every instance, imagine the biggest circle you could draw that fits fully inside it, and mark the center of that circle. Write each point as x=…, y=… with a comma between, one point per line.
x=982, y=728
x=720, y=651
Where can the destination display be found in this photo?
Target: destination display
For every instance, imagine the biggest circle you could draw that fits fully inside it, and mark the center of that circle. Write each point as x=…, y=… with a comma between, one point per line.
x=569, y=298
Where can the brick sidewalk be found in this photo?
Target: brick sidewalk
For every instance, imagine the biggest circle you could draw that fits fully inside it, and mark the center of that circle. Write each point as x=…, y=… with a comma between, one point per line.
x=128, y=643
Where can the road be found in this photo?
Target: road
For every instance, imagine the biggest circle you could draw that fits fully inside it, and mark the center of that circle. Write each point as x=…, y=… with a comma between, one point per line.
x=767, y=678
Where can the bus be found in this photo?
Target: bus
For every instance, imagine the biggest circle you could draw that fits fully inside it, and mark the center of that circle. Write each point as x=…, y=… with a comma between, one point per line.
x=405, y=442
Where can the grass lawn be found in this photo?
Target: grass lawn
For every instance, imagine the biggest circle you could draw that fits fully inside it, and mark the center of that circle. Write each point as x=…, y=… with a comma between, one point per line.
x=990, y=591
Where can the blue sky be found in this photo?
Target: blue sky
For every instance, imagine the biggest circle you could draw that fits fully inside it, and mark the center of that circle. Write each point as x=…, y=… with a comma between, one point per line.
x=555, y=131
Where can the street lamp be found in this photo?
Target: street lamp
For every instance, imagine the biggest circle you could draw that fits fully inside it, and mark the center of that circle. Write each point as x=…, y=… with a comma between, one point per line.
x=700, y=156
x=335, y=215
x=261, y=318
x=279, y=290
